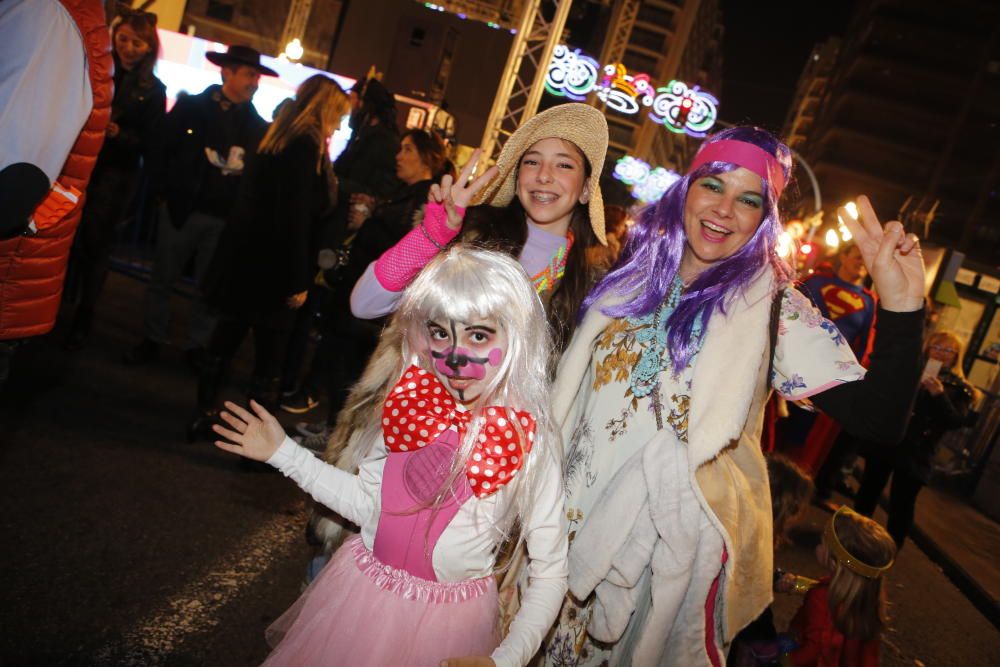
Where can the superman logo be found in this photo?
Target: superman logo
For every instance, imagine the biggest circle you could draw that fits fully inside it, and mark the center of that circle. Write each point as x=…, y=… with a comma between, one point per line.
x=841, y=302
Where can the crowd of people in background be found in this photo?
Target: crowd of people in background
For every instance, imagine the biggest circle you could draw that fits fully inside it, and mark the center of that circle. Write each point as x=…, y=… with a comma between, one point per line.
x=655, y=347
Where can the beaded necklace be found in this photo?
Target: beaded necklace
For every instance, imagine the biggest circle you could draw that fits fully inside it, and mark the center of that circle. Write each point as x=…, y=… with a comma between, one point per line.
x=549, y=277
x=651, y=334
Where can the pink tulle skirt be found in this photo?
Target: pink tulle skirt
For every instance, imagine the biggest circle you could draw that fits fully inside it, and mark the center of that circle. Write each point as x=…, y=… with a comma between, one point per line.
x=359, y=611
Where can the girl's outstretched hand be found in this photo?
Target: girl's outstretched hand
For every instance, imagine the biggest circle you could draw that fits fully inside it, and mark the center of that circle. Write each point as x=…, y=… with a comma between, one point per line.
x=257, y=435
x=469, y=661
x=892, y=256
x=459, y=195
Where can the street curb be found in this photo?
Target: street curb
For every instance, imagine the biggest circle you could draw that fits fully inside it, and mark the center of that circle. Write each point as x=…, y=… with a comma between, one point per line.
x=964, y=581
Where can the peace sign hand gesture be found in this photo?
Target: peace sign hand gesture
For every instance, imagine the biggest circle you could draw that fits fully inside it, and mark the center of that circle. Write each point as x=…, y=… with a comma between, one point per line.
x=893, y=258
x=460, y=194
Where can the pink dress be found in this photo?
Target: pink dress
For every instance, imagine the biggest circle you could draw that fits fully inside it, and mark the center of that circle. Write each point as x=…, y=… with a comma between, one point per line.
x=385, y=606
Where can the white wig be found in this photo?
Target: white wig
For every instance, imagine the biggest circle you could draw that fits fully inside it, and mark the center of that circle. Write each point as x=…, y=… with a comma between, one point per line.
x=467, y=284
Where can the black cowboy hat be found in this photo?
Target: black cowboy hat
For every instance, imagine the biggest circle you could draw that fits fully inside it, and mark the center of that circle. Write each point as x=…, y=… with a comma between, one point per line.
x=239, y=54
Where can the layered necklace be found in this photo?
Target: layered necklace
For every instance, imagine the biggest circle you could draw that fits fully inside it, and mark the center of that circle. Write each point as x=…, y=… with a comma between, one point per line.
x=549, y=277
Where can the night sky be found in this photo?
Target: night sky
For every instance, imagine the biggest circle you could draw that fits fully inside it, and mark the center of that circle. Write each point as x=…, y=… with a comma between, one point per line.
x=765, y=47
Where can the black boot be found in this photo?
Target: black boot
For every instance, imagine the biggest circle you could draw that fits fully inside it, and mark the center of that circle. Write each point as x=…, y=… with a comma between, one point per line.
x=267, y=392
x=209, y=384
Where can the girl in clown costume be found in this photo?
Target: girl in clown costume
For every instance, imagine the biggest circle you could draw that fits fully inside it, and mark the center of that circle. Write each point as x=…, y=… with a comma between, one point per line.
x=460, y=451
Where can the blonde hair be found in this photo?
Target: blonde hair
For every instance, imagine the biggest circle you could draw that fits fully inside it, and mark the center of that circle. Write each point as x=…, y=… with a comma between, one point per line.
x=315, y=112
x=944, y=335
x=857, y=603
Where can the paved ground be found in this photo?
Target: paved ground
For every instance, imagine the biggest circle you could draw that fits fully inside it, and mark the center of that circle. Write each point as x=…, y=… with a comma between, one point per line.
x=127, y=545
x=931, y=622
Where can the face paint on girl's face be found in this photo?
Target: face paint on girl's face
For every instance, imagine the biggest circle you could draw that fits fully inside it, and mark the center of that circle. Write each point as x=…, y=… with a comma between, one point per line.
x=466, y=356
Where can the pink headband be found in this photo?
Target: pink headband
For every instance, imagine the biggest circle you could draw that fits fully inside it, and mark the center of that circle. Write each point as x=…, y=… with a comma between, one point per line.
x=747, y=155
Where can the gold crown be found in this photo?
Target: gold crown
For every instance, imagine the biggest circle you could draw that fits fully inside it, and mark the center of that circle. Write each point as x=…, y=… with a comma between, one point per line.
x=844, y=557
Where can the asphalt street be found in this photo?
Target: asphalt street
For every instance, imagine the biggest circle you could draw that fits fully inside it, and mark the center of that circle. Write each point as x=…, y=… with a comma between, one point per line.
x=126, y=545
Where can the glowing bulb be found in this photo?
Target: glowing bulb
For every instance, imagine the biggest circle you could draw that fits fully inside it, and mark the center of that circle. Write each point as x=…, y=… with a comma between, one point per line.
x=784, y=247
x=294, y=49
x=832, y=239
x=852, y=209
x=806, y=248
x=845, y=233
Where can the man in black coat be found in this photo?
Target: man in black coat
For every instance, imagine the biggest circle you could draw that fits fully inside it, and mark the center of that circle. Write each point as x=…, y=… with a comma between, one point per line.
x=196, y=170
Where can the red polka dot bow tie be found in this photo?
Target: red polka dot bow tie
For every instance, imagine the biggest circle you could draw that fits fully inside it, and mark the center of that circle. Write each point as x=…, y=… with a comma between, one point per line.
x=419, y=409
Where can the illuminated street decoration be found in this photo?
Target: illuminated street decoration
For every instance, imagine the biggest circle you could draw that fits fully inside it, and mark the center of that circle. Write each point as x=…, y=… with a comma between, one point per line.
x=621, y=91
x=647, y=185
x=630, y=170
x=676, y=106
x=685, y=110
x=657, y=183
x=571, y=74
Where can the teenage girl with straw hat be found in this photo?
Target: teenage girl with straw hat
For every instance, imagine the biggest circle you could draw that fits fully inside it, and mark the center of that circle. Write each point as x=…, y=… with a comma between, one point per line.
x=540, y=203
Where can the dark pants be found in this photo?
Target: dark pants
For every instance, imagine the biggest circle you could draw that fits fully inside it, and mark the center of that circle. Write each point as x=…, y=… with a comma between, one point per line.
x=108, y=196
x=841, y=456
x=197, y=238
x=270, y=337
x=902, y=496
x=298, y=345
x=345, y=345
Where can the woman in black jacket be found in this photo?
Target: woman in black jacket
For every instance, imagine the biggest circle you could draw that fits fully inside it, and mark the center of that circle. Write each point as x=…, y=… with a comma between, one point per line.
x=943, y=403
x=261, y=271
x=137, y=110
x=346, y=341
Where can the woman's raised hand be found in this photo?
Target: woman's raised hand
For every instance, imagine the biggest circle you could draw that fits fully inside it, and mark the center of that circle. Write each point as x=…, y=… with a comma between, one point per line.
x=454, y=195
x=892, y=256
x=257, y=435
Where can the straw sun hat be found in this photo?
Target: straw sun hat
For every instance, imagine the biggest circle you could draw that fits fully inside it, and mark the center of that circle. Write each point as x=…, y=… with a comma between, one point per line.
x=580, y=124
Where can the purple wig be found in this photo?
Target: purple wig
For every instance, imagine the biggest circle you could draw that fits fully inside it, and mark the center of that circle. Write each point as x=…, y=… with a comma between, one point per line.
x=645, y=270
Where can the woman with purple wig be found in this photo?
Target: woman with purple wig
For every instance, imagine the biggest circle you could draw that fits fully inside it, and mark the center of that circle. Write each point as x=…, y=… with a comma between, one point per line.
x=661, y=397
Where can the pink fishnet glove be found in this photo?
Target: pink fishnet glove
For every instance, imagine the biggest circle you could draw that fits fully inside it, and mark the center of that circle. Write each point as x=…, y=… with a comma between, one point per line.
x=402, y=262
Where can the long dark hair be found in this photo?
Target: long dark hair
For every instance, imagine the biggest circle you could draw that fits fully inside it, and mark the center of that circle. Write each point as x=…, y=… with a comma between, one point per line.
x=376, y=103
x=652, y=255
x=506, y=229
x=144, y=25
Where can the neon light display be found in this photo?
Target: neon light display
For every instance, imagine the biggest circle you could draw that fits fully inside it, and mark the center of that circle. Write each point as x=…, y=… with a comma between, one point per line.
x=647, y=185
x=657, y=183
x=678, y=107
x=685, y=110
x=630, y=170
x=571, y=74
x=622, y=91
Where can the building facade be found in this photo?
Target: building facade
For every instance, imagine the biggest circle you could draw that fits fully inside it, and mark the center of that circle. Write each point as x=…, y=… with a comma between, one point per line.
x=908, y=112
x=667, y=40
x=268, y=25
